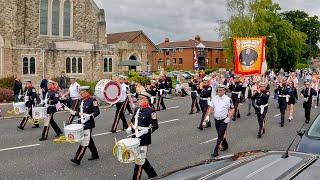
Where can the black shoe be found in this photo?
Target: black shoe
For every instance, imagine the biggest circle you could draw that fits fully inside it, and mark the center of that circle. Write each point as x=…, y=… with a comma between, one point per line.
x=200, y=128
x=58, y=135
x=289, y=120
x=198, y=111
x=191, y=113
x=164, y=109
x=75, y=161
x=248, y=114
x=281, y=124
x=93, y=158
x=233, y=119
x=113, y=131
x=43, y=139
x=208, y=124
x=20, y=127
x=35, y=126
x=263, y=130
x=215, y=154
x=224, y=149
x=238, y=115
x=307, y=121
x=259, y=136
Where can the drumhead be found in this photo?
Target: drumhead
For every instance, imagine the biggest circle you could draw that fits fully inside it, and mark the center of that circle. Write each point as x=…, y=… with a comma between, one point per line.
x=108, y=91
x=130, y=142
x=74, y=127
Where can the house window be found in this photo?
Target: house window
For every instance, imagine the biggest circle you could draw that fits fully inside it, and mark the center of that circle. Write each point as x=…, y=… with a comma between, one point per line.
x=174, y=60
x=44, y=17
x=167, y=52
x=159, y=68
x=107, y=65
x=217, y=60
x=74, y=65
x=180, y=60
x=168, y=62
x=180, y=50
x=66, y=18
x=28, y=65
x=55, y=17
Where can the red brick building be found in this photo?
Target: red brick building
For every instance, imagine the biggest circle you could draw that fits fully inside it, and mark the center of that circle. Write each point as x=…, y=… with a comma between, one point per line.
x=179, y=55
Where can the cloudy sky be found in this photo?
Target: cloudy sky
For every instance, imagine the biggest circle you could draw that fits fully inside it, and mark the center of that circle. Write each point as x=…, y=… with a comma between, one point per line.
x=178, y=19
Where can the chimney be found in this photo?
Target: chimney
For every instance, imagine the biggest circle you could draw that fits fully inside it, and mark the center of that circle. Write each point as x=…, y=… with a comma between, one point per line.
x=167, y=40
x=197, y=38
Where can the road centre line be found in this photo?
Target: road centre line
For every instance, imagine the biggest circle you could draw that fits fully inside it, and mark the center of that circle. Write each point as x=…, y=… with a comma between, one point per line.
x=174, y=107
x=277, y=115
x=19, y=147
x=205, y=142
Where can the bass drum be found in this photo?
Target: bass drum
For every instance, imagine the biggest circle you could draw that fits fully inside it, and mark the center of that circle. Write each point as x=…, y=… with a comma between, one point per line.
x=108, y=91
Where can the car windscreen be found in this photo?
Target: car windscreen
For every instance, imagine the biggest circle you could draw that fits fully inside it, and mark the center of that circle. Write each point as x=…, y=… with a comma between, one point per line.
x=314, y=130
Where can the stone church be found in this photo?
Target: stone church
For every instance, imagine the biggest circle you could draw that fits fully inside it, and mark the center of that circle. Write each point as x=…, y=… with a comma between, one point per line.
x=46, y=37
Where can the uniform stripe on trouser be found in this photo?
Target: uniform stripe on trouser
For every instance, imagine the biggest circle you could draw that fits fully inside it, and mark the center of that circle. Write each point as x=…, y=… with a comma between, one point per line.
x=116, y=121
x=81, y=152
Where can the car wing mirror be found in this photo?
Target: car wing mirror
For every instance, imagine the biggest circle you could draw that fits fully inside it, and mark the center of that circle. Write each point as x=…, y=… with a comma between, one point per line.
x=301, y=132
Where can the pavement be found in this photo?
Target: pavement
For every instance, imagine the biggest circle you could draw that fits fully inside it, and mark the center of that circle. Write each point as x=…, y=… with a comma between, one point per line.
x=176, y=144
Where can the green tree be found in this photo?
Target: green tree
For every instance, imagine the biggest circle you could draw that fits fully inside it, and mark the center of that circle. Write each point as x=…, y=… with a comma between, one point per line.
x=308, y=25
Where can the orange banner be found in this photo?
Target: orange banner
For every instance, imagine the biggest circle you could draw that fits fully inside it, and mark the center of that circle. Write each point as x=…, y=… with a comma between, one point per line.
x=249, y=55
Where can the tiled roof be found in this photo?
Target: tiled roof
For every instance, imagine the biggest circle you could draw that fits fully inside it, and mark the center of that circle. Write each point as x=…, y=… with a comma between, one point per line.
x=191, y=43
x=122, y=36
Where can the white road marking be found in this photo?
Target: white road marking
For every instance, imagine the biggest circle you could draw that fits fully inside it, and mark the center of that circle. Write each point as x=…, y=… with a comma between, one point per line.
x=19, y=147
x=174, y=107
x=209, y=141
x=107, y=133
x=277, y=115
x=163, y=122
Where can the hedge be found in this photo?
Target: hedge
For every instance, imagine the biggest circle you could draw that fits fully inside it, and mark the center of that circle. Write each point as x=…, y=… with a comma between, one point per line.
x=7, y=82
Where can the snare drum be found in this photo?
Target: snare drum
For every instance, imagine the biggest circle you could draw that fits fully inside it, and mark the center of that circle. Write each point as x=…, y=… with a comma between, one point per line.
x=20, y=107
x=74, y=132
x=127, y=150
x=39, y=112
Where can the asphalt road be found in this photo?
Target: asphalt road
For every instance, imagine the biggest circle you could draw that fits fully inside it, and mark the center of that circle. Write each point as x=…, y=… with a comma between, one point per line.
x=176, y=144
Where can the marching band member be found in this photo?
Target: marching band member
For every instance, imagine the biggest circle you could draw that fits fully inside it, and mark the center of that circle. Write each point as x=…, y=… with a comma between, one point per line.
x=292, y=99
x=161, y=88
x=89, y=109
x=261, y=98
x=144, y=122
x=152, y=90
x=51, y=101
x=193, y=84
x=121, y=106
x=307, y=93
x=222, y=107
x=205, y=96
x=74, y=97
x=29, y=98
x=283, y=98
x=131, y=93
x=236, y=89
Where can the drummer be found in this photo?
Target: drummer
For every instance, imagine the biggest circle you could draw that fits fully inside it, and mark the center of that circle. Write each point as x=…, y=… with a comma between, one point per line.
x=75, y=98
x=89, y=109
x=52, y=99
x=29, y=98
x=143, y=123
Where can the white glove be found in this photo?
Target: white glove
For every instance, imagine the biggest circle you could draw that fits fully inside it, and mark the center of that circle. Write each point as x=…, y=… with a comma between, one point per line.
x=142, y=132
x=26, y=98
x=133, y=106
x=129, y=130
x=85, y=119
x=73, y=112
x=227, y=120
x=19, y=96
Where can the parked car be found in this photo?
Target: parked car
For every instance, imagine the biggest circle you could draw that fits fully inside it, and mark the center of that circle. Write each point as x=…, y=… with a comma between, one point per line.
x=186, y=75
x=310, y=139
x=145, y=74
x=262, y=165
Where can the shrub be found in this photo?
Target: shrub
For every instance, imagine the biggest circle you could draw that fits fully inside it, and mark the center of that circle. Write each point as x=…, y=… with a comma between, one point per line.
x=302, y=66
x=141, y=80
x=56, y=79
x=7, y=82
x=6, y=95
x=92, y=85
x=132, y=74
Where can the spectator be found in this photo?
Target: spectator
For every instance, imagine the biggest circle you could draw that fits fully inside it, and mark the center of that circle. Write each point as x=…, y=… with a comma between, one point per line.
x=17, y=88
x=44, y=87
x=63, y=81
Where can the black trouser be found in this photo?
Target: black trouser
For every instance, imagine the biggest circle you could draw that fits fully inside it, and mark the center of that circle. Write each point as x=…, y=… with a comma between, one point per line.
x=25, y=119
x=129, y=108
x=160, y=102
x=147, y=168
x=194, y=103
x=261, y=118
x=204, y=107
x=44, y=94
x=121, y=107
x=82, y=149
x=307, y=110
x=75, y=104
x=318, y=97
x=54, y=125
x=236, y=102
x=221, y=128
x=283, y=106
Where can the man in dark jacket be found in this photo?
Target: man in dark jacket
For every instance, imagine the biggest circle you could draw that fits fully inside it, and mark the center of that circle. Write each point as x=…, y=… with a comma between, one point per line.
x=63, y=81
x=44, y=87
x=17, y=88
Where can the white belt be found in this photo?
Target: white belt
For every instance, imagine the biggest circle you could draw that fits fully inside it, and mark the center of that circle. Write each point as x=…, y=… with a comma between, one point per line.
x=285, y=96
x=262, y=108
x=239, y=93
x=205, y=99
x=152, y=99
x=220, y=118
x=193, y=91
x=75, y=98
